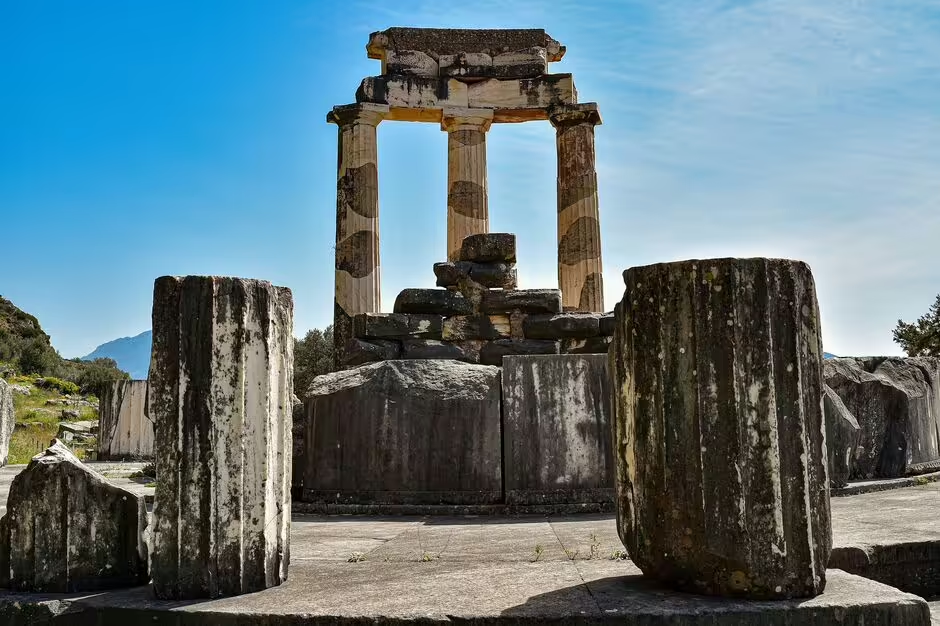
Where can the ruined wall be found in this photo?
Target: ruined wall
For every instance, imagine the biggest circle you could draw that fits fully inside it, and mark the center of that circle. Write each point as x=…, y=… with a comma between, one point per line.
x=125, y=430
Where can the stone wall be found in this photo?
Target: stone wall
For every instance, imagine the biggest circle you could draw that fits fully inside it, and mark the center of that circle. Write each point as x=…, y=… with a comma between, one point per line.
x=556, y=429
x=125, y=429
x=896, y=402
x=404, y=432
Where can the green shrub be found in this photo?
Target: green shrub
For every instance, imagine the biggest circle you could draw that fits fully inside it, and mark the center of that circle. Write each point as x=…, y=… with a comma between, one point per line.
x=62, y=386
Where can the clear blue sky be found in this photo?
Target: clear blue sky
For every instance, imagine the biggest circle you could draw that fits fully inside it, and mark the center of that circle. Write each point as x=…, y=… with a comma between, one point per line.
x=146, y=138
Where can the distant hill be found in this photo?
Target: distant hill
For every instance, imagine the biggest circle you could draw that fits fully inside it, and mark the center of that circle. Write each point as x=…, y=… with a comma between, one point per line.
x=131, y=353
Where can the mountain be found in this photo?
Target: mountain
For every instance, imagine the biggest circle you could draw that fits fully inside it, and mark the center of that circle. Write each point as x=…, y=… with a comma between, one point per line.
x=131, y=353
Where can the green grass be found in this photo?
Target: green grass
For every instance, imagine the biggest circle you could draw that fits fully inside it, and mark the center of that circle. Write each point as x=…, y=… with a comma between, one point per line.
x=38, y=424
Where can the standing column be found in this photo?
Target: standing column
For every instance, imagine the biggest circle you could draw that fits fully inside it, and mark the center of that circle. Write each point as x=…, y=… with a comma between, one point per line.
x=579, y=235
x=358, y=278
x=221, y=383
x=467, y=208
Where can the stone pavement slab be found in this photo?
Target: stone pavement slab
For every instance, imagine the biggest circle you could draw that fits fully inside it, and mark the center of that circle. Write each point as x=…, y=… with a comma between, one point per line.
x=501, y=592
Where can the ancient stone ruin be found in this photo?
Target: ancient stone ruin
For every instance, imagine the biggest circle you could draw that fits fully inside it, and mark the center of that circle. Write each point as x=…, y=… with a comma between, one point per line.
x=67, y=529
x=895, y=403
x=125, y=430
x=7, y=419
x=719, y=432
x=478, y=317
x=221, y=399
x=465, y=80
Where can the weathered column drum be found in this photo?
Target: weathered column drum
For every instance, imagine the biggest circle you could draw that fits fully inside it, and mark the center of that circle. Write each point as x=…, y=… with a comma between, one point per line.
x=719, y=436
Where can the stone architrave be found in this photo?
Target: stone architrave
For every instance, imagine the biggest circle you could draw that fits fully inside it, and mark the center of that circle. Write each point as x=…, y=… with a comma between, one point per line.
x=556, y=429
x=221, y=398
x=125, y=430
x=405, y=432
x=68, y=529
x=719, y=433
x=579, y=233
x=467, y=208
x=7, y=419
x=358, y=276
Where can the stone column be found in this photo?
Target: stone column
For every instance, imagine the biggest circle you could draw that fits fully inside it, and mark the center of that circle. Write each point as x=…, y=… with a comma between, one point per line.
x=467, y=208
x=358, y=287
x=579, y=235
x=719, y=436
x=221, y=381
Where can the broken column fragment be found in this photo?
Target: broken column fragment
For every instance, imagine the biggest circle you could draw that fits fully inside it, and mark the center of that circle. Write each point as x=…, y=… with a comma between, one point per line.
x=842, y=433
x=125, y=430
x=221, y=398
x=7, y=419
x=68, y=529
x=896, y=401
x=719, y=434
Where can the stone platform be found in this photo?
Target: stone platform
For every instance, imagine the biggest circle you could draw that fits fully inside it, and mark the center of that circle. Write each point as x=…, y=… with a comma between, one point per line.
x=440, y=590
x=521, y=569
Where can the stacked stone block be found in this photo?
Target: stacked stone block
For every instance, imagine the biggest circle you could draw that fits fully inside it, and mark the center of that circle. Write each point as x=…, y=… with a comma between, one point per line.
x=221, y=399
x=477, y=316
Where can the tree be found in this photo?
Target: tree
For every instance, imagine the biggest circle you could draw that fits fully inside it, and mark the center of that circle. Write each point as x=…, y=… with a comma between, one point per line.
x=921, y=338
x=313, y=356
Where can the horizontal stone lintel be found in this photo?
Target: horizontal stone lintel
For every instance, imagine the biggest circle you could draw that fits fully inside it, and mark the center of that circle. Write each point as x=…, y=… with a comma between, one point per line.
x=514, y=95
x=392, y=325
x=435, y=42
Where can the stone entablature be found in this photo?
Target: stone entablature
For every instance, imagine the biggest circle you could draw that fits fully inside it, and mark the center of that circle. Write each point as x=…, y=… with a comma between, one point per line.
x=465, y=80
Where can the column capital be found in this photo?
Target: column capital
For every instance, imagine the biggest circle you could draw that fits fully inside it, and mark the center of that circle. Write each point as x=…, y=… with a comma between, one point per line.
x=567, y=115
x=361, y=113
x=466, y=119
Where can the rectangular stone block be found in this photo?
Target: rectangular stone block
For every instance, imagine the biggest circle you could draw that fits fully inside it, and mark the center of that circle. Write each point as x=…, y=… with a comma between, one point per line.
x=432, y=302
x=467, y=351
x=410, y=63
x=443, y=41
x=488, y=275
x=575, y=325
x=361, y=351
x=590, y=345
x=556, y=429
x=492, y=352
x=524, y=93
x=489, y=327
x=405, y=432
x=529, y=63
x=397, y=325
x=489, y=248
x=422, y=94
x=221, y=398
x=522, y=300
x=414, y=92
x=125, y=431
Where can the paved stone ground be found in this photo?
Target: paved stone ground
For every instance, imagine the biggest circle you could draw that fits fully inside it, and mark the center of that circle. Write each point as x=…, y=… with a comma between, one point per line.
x=531, y=567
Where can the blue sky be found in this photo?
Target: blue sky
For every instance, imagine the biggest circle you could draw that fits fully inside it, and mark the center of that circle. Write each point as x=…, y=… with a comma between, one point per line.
x=147, y=138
